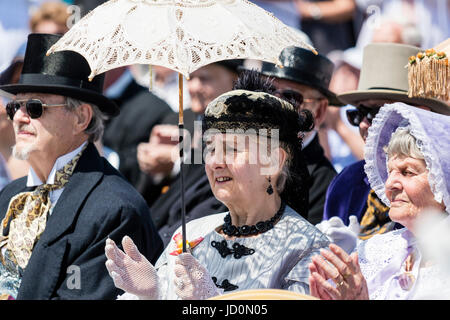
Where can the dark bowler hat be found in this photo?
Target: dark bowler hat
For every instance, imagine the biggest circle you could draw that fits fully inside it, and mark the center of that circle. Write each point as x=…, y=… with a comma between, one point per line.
x=304, y=67
x=63, y=73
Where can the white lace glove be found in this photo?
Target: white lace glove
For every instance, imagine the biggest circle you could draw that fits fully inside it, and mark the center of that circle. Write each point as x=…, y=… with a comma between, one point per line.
x=130, y=270
x=192, y=280
x=344, y=236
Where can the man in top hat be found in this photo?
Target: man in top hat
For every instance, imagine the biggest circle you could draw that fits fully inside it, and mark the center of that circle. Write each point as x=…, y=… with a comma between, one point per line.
x=55, y=221
x=305, y=77
x=383, y=79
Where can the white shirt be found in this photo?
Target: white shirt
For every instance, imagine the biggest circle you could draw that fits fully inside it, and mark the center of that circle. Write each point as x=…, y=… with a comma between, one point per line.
x=34, y=181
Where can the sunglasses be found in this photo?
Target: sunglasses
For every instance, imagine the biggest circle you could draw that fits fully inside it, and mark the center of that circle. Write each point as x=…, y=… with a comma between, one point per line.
x=292, y=96
x=34, y=107
x=356, y=116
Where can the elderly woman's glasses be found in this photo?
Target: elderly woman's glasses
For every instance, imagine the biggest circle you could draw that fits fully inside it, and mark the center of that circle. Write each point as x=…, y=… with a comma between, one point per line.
x=356, y=116
x=34, y=107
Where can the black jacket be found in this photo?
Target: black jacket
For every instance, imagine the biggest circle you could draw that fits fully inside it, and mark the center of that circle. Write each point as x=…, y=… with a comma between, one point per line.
x=96, y=204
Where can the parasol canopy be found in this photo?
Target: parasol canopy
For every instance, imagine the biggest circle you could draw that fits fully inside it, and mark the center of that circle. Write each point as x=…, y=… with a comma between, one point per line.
x=182, y=35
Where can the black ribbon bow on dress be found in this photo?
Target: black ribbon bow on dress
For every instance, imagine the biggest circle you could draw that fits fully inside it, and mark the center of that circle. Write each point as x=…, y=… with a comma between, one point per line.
x=237, y=250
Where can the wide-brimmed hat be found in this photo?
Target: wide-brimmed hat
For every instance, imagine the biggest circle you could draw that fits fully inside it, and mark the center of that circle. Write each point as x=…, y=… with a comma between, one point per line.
x=430, y=130
x=63, y=73
x=384, y=76
x=304, y=67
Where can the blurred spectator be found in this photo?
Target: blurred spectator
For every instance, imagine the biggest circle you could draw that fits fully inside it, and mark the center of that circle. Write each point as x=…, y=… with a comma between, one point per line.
x=345, y=143
x=429, y=18
x=13, y=168
x=164, y=84
x=10, y=167
x=328, y=23
x=138, y=115
x=50, y=17
x=284, y=10
x=6, y=141
x=14, y=19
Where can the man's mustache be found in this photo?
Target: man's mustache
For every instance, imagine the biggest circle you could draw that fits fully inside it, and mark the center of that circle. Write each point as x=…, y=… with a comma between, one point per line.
x=24, y=127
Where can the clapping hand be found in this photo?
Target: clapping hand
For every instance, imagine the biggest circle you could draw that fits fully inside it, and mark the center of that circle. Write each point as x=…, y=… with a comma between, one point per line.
x=344, y=271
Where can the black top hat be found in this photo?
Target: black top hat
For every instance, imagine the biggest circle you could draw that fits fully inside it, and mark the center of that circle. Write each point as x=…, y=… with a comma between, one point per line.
x=305, y=67
x=63, y=73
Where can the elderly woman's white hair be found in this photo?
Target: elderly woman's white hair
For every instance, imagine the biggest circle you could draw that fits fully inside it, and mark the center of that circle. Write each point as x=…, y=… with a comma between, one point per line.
x=429, y=133
x=403, y=143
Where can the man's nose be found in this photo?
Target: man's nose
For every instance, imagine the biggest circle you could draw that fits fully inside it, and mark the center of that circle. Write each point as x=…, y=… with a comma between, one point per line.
x=21, y=115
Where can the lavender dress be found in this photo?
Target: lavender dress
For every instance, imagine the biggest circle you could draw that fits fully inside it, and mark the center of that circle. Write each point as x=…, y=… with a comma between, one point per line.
x=382, y=261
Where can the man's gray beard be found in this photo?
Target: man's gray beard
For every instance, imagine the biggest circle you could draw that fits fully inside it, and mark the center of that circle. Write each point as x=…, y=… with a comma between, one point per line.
x=22, y=154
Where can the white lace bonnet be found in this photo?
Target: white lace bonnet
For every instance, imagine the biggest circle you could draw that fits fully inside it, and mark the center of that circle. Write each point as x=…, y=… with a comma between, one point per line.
x=432, y=133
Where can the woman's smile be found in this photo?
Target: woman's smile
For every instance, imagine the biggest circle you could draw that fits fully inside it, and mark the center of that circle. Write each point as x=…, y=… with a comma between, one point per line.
x=223, y=179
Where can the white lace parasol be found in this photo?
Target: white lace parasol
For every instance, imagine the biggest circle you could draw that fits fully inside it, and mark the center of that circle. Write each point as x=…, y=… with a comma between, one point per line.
x=182, y=35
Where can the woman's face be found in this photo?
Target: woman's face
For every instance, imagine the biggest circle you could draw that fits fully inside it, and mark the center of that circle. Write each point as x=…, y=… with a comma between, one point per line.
x=238, y=168
x=408, y=190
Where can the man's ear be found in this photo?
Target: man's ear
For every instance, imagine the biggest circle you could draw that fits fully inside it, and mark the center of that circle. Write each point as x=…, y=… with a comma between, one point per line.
x=321, y=112
x=83, y=117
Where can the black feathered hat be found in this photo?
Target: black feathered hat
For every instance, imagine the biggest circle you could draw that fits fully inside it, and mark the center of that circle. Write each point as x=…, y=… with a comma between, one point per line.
x=63, y=73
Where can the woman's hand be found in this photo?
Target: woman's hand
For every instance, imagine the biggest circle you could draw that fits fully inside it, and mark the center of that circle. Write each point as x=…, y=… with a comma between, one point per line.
x=345, y=272
x=192, y=280
x=130, y=270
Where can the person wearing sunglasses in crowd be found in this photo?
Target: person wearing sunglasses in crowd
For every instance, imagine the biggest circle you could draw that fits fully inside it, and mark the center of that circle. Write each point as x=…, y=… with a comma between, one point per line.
x=383, y=80
x=55, y=221
x=305, y=78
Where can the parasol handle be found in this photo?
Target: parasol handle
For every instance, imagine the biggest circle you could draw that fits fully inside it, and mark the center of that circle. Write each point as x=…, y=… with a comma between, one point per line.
x=181, y=143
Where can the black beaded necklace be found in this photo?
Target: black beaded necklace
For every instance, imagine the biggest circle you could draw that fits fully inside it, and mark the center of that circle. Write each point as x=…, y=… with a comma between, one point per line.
x=246, y=230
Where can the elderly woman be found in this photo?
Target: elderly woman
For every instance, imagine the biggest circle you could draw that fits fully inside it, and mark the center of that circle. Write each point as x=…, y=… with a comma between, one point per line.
x=407, y=167
x=255, y=167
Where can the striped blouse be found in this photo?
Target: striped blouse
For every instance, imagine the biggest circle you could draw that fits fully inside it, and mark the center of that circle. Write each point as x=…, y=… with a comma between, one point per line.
x=279, y=261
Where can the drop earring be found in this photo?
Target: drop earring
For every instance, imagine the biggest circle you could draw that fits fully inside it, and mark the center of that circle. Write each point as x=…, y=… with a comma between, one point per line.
x=269, y=189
